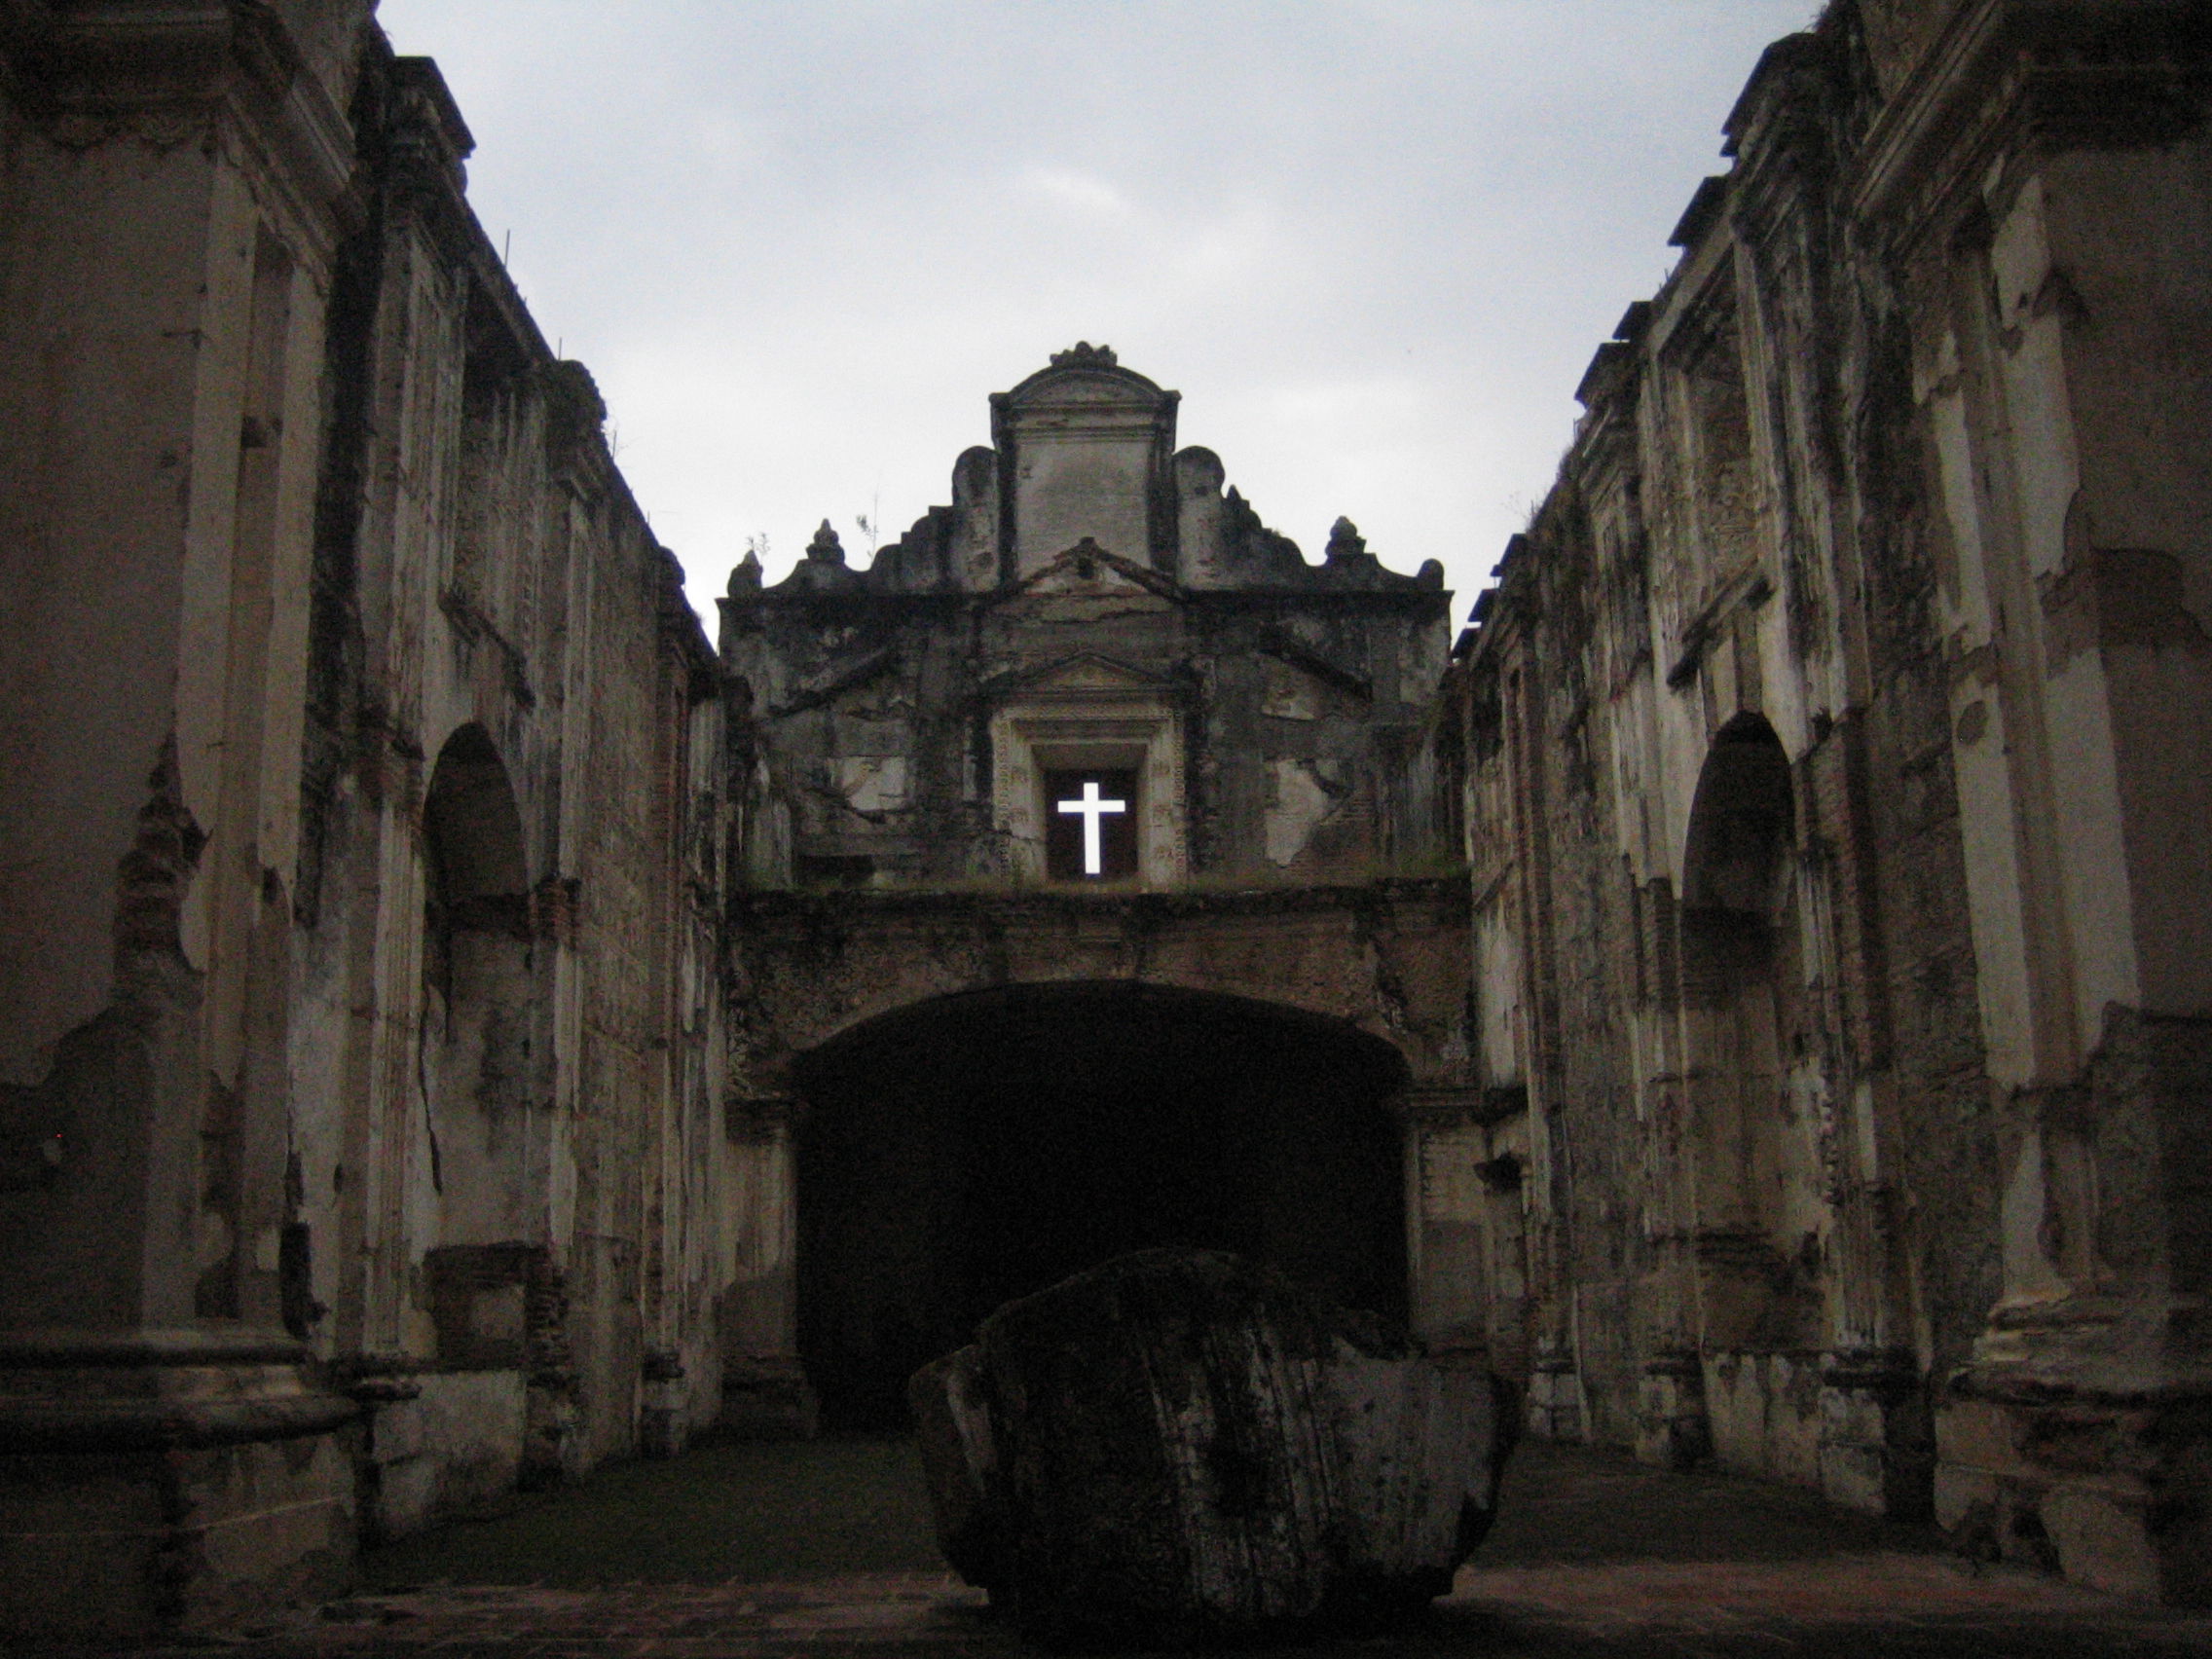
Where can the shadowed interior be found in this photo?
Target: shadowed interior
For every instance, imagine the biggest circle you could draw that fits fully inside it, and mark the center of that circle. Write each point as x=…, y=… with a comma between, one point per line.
x=974, y=1149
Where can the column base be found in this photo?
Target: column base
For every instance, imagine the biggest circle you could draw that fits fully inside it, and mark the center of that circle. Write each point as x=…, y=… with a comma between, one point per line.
x=1673, y=1430
x=1554, y=1410
x=158, y=1481
x=662, y=1427
x=438, y=1443
x=2080, y=1443
x=767, y=1397
x=1877, y=1450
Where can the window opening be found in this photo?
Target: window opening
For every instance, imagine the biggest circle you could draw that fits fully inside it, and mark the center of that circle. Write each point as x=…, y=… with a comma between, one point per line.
x=1091, y=819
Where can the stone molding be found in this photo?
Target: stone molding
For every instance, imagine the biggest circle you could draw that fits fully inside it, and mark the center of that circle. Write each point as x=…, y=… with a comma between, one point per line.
x=77, y=1391
x=2115, y=1350
x=1102, y=718
x=1435, y=1104
x=2008, y=74
x=1374, y=955
x=752, y=1119
x=92, y=72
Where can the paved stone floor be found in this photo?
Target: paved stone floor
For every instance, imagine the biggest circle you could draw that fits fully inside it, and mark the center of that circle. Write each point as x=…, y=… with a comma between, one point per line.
x=1862, y=1606
x=1595, y=1556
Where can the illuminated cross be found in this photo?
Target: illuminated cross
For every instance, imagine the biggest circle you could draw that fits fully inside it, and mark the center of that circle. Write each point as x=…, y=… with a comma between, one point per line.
x=1091, y=810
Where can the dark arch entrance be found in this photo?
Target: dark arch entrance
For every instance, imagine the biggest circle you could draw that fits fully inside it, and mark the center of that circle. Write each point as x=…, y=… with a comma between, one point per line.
x=973, y=1149
x=478, y=1073
x=1743, y=1016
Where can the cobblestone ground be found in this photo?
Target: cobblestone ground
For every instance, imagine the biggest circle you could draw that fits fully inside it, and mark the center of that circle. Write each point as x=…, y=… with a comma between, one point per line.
x=1595, y=1556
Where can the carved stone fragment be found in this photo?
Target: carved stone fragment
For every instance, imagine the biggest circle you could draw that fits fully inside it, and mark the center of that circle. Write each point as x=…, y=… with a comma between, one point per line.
x=1181, y=1446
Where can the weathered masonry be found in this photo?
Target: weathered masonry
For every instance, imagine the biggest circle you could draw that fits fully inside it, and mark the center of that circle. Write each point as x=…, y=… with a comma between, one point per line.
x=1836, y=745
x=457, y=1026
x=358, y=1138
x=978, y=1059
x=1090, y=607
x=440, y=993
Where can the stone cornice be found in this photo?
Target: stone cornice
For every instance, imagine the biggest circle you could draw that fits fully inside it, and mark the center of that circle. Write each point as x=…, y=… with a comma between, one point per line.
x=86, y=73
x=1445, y=894
x=1783, y=133
x=2010, y=75
x=878, y=604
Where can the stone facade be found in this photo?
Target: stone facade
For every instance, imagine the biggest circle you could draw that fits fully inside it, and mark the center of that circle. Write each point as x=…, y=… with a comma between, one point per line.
x=1091, y=602
x=362, y=756
x=424, y=958
x=456, y=1026
x=1091, y=597
x=1835, y=758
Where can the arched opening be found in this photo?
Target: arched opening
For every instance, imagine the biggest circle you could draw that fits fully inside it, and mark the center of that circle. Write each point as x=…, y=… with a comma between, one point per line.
x=1741, y=825
x=977, y=1148
x=477, y=1068
x=1758, y=1240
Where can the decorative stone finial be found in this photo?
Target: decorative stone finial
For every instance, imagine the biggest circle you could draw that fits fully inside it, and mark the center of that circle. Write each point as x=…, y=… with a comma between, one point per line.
x=745, y=577
x=1345, y=542
x=826, y=547
x=1083, y=354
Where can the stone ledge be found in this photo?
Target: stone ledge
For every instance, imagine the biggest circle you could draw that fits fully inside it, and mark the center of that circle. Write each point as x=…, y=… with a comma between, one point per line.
x=1447, y=892
x=123, y=1392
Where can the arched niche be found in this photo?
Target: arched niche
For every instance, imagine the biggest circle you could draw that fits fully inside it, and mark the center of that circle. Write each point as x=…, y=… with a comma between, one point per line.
x=1752, y=1195
x=479, y=1062
x=1741, y=822
x=974, y=1148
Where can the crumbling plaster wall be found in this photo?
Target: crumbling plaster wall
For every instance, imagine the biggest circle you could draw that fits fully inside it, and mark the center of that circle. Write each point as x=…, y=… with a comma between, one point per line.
x=481, y=569
x=1383, y=958
x=1834, y=1184
x=172, y=191
x=363, y=785
x=1105, y=602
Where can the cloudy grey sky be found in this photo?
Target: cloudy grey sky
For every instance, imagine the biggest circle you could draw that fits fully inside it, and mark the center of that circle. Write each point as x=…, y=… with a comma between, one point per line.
x=1373, y=243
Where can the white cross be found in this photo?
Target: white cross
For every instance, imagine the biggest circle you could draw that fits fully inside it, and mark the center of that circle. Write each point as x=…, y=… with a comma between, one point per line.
x=1092, y=809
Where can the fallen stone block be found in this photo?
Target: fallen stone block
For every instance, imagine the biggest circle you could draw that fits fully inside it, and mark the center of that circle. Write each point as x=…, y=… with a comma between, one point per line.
x=1179, y=1446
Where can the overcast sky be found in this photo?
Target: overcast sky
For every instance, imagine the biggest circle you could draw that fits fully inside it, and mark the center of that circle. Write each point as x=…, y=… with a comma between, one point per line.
x=1373, y=243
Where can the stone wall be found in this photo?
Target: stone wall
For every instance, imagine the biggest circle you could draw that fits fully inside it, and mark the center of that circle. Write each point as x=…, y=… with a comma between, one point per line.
x=1834, y=856
x=363, y=768
x=516, y=767
x=419, y=952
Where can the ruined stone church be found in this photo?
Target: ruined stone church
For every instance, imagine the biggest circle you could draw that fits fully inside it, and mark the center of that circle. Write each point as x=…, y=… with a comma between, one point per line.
x=460, y=1024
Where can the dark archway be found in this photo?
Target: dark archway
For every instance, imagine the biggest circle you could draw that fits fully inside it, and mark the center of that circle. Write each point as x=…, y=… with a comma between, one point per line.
x=1742, y=1012
x=1741, y=823
x=480, y=1061
x=471, y=831
x=975, y=1148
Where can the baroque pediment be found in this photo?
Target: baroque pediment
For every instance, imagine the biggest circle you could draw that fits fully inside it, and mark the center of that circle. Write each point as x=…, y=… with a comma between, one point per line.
x=1079, y=675
x=1293, y=652
x=1089, y=571
x=843, y=678
x=1087, y=374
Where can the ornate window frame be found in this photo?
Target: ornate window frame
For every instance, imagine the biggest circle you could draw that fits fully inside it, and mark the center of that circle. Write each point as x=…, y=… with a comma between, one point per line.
x=1090, y=712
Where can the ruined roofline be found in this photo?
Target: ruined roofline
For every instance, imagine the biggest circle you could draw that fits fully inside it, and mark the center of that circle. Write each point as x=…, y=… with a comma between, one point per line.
x=1611, y=381
x=1084, y=360
x=430, y=140
x=1346, y=569
x=1162, y=518
x=1402, y=590
x=2103, y=74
